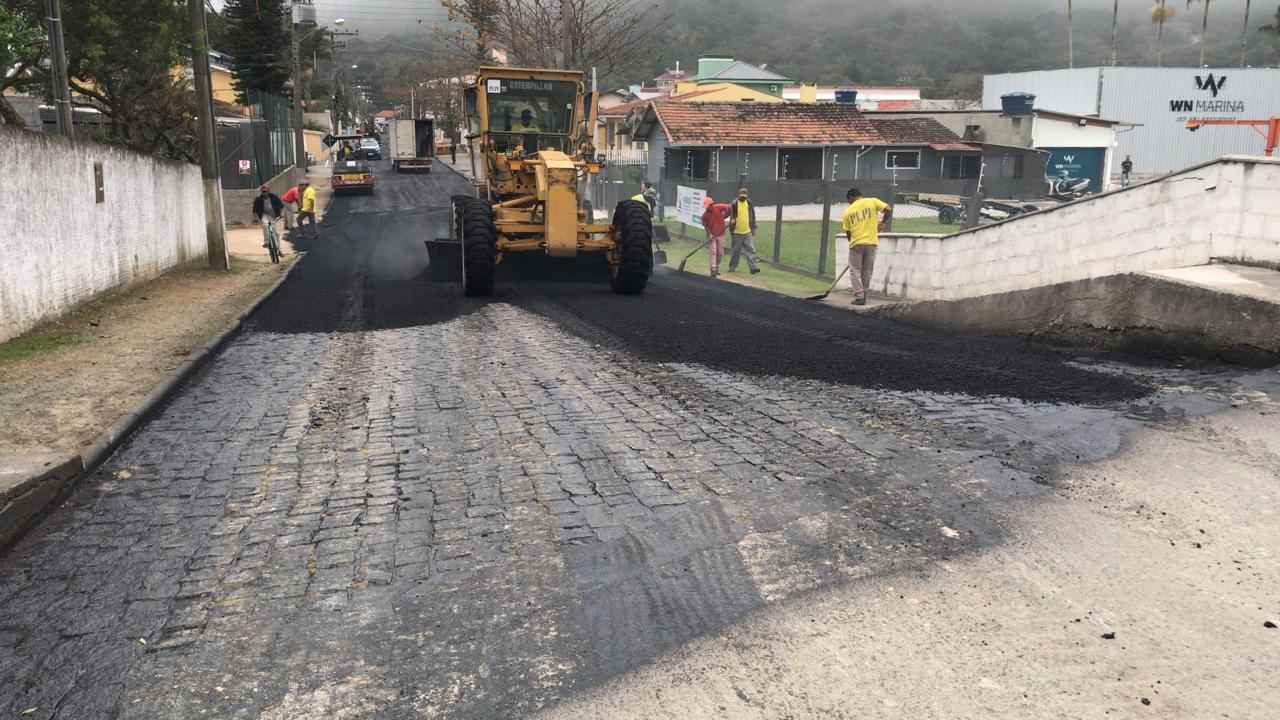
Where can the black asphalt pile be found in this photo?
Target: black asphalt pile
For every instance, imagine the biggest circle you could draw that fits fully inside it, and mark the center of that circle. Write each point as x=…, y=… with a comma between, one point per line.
x=689, y=319
x=368, y=269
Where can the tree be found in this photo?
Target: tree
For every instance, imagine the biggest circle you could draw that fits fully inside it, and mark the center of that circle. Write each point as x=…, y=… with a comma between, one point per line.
x=1204, y=27
x=475, y=27
x=22, y=45
x=314, y=46
x=259, y=43
x=1273, y=29
x=1071, y=45
x=121, y=59
x=1160, y=14
x=1244, y=34
x=1115, y=32
x=609, y=35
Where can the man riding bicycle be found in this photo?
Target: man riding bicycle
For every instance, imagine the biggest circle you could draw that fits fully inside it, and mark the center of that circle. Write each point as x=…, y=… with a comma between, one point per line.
x=267, y=207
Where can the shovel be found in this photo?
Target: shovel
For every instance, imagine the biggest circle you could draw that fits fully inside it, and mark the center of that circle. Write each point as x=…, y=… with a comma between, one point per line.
x=695, y=252
x=824, y=295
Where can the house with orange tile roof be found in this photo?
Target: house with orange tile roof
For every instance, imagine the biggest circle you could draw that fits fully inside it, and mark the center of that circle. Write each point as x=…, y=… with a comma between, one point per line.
x=722, y=142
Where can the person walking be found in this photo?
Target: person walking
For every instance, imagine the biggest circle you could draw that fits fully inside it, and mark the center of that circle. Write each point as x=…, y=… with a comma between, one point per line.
x=267, y=207
x=453, y=152
x=291, y=197
x=863, y=220
x=742, y=224
x=1126, y=171
x=715, y=218
x=307, y=208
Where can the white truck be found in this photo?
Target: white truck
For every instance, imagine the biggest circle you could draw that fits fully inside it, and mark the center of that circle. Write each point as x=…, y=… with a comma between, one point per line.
x=412, y=144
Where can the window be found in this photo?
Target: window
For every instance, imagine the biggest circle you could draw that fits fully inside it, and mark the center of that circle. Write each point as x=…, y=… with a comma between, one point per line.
x=1018, y=161
x=801, y=164
x=902, y=160
x=962, y=167
x=697, y=164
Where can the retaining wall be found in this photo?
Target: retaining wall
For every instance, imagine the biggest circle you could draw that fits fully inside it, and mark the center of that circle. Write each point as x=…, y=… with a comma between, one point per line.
x=1226, y=209
x=237, y=205
x=60, y=246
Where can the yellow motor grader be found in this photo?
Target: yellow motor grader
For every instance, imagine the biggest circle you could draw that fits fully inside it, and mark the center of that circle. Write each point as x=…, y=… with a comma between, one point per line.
x=529, y=132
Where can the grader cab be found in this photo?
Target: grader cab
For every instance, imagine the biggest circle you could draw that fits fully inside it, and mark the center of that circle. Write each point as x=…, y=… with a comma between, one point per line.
x=532, y=158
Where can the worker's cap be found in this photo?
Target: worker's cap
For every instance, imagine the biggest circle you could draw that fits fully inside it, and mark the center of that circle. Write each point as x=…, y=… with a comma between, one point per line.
x=303, y=182
x=742, y=192
x=264, y=188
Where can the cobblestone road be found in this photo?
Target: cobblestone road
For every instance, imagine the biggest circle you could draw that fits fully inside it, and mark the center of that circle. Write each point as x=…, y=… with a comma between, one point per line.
x=385, y=501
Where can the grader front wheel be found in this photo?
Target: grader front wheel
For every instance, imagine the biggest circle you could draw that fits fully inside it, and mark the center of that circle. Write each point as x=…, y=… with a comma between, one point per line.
x=631, y=263
x=479, y=246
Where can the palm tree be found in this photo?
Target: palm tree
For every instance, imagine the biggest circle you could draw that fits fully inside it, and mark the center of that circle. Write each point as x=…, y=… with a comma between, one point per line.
x=1244, y=34
x=1159, y=15
x=1115, y=27
x=1204, y=27
x=1071, y=48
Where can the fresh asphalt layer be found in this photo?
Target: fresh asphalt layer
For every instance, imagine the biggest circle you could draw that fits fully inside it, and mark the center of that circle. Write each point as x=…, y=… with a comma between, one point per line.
x=385, y=500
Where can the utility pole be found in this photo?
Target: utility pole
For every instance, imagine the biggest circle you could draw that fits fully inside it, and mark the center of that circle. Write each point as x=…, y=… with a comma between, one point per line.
x=299, y=107
x=213, y=223
x=58, y=59
x=1115, y=33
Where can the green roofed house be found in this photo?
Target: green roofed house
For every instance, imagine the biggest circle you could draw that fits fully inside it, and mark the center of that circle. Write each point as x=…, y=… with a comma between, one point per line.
x=727, y=70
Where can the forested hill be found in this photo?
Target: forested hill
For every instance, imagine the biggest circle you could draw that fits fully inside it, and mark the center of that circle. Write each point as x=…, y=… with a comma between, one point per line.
x=944, y=48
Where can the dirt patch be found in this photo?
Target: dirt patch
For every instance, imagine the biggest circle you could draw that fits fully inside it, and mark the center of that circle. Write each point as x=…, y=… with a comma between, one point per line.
x=64, y=383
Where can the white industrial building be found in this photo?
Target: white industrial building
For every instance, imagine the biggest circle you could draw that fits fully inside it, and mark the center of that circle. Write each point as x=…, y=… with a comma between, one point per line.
x=1159, y=101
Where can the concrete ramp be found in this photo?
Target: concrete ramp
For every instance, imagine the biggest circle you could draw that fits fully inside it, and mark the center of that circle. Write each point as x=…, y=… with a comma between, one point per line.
x=1220, y=311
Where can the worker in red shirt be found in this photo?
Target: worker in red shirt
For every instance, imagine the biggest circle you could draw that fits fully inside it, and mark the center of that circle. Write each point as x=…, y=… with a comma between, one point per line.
x=715, y=221
x=291, y=197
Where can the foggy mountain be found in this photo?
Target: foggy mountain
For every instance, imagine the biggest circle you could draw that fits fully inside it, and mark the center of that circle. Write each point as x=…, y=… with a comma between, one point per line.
x=944, y=46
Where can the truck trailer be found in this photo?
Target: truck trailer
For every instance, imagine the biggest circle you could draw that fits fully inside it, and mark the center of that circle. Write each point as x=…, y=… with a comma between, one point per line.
x=412, y=143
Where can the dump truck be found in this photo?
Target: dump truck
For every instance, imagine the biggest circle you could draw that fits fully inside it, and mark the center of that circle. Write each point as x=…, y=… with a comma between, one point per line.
x=532, y=159
x=412, y=144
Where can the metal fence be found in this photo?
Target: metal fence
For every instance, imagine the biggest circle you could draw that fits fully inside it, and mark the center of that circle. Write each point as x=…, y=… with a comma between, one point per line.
x=799, y=221
x=258, y=147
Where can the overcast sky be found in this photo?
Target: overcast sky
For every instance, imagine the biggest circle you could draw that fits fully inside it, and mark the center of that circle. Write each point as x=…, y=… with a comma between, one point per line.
x=379, y=17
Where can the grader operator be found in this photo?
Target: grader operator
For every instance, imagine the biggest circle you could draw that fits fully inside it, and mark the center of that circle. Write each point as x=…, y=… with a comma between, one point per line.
x=532, y=159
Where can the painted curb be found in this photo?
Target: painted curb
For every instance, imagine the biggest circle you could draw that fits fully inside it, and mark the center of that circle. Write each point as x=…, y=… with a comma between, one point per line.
x=91, y=457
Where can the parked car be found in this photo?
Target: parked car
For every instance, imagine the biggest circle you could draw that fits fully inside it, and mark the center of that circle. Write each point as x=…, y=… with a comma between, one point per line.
x=352, y=175
x=370, y=149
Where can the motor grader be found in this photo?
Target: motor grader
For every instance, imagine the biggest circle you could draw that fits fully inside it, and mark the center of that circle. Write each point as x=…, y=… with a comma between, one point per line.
x=532, y=159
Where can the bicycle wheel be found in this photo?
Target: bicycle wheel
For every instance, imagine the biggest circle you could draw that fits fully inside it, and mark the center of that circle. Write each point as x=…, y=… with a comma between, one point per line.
x=273, y=244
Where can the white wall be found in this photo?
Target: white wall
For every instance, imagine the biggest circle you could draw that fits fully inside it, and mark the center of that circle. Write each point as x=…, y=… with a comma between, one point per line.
x=1227, y=209
x=1069, y=91
x=1049, y=132
x=60, y=247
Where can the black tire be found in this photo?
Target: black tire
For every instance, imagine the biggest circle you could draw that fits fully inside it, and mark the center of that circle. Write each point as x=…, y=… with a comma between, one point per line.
x=479, y=247
x=947, y=216
x=634, y=232
x=273, y=246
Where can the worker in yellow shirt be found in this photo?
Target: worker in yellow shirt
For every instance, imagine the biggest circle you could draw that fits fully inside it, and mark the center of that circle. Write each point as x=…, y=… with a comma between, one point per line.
x=307, y=207
x=742, y=226
x=863, y=220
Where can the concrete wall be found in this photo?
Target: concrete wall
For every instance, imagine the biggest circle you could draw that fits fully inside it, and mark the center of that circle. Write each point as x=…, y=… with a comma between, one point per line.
x=61, y=247
x=1227, y=209
x=237, y=205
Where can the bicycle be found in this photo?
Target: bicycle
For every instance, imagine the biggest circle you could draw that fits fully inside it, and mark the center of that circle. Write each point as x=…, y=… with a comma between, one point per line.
x=273, y=239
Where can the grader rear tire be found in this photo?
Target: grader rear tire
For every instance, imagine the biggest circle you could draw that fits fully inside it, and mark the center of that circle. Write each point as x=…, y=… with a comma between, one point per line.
x=479, y=248
x=634, y=224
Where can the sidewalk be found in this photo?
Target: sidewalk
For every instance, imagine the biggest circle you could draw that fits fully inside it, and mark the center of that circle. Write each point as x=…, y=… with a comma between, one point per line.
x=66, y=385
x=462, y=167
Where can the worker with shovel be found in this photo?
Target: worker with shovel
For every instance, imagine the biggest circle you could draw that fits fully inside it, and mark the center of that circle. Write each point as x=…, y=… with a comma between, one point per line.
x=863, y=222
x=715, y=217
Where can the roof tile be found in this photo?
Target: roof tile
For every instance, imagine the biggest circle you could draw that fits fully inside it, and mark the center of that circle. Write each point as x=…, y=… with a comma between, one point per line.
x=790, y=124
